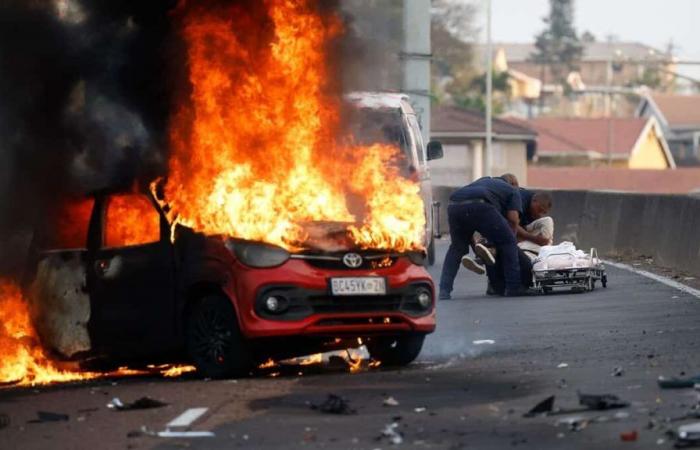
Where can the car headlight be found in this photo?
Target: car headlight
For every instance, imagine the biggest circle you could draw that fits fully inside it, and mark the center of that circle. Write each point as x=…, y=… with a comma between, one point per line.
x=258, y=255
x=417, y=258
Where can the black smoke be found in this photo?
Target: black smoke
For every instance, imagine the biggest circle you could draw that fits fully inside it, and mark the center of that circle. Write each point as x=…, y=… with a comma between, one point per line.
x=85, y=94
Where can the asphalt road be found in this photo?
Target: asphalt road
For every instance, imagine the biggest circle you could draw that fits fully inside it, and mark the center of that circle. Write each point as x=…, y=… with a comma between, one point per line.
x=457, y=395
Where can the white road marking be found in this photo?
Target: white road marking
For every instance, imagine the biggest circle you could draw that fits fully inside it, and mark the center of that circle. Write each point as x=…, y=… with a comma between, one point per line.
x=659, y=278
x=186, y=419
x=185, y=434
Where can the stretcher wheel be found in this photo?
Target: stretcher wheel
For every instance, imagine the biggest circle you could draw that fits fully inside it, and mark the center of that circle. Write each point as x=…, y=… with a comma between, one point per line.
x=604, y=281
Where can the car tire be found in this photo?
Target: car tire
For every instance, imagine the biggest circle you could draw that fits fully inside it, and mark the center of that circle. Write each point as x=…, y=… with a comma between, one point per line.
x=214, y=342
x=394, y=351
x=431, y=251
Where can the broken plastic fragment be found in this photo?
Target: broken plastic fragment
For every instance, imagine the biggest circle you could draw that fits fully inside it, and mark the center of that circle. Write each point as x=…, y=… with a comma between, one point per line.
x=142, y=403
x=543, y=407
x=334, y=404
x=484, y=342
x=601, y=402
x=678, y=383
x=390, y=401
x=392, y=433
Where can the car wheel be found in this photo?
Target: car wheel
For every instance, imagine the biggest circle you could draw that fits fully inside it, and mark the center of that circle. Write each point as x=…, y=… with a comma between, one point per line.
x=431, y=251
x=214, y=341
x=396, y=350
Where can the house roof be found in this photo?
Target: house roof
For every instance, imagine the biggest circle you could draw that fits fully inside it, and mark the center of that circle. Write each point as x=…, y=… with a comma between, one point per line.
x=679, y=110
x=592, y=51
x=459, y=121
x=679, y=181
x=585, y=136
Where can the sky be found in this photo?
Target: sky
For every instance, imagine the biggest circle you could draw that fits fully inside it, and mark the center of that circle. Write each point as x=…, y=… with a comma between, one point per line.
x=651, y=22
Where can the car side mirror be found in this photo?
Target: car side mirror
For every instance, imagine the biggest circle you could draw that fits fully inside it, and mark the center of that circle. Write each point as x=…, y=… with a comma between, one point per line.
x=434, y=150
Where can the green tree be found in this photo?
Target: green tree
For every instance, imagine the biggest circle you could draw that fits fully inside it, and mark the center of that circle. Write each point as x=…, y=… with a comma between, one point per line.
x=558, y=46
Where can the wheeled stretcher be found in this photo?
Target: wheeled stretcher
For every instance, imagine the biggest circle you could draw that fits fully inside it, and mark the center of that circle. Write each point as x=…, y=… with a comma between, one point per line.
x=568, y=270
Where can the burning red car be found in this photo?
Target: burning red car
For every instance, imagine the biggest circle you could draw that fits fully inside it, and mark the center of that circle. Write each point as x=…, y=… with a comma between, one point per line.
x=132, y=292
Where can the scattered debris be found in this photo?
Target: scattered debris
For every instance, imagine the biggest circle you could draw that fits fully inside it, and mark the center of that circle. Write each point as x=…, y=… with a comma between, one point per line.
x=420, y=410
x=562, y=366
x=629, y=436
x=575, y=423
x=618, y=372
x=334, y=404
x=390, y=401
x=677, y=382
x=543, y=407
x=142, y=403
x=601, y=402
x=4, y=421
x=484, y=342
x=45, y=416
x=392, y=433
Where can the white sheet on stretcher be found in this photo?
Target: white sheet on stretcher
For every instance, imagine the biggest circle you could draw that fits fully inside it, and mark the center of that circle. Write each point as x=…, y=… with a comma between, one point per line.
x=563, y=256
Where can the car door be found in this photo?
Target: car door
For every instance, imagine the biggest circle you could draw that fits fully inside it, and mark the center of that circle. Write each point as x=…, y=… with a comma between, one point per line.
x=131, y=278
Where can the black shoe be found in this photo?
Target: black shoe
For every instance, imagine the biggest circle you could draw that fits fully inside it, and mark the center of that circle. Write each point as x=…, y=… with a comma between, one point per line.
x=491, y=291
x=522, y=292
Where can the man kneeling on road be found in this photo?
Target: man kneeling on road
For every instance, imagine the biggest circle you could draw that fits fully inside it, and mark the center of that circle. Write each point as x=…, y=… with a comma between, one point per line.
x=491, y=207
x=535, y=230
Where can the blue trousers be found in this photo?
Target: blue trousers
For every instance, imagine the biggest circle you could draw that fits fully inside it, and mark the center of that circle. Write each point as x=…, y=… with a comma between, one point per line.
x=464, y=220
x=496, y=274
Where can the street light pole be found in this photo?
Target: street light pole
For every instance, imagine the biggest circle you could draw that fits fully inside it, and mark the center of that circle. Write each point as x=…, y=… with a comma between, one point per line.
x=488, y=157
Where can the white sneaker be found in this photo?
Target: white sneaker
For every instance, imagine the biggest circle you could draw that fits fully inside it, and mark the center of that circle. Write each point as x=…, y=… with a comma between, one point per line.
x=485, y=254
x=472, y=265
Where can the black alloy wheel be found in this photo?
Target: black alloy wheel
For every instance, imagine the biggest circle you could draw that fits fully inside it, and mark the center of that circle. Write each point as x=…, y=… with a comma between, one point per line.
x=396, y=351
x=214, y=341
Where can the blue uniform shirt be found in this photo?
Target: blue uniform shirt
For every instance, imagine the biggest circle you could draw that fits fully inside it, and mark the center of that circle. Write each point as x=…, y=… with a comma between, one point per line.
x=526, y=196
x=495, y=191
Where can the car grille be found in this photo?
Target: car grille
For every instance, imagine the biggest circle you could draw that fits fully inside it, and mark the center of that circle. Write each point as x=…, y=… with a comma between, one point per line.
x=352, y=304
x=369, y=262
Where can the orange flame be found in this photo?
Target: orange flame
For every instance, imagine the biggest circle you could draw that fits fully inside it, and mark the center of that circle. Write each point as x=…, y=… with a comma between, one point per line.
x=256, y=153
x=23, y=360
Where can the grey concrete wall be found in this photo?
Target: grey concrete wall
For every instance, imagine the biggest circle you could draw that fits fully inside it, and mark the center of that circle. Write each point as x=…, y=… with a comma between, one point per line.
x=663, y=227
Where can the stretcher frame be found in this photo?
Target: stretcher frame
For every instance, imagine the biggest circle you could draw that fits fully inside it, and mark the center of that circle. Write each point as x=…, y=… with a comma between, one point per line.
x=576, y=279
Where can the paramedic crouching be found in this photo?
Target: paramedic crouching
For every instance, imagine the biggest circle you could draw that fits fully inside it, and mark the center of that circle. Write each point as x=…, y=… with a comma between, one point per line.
x=492, y=207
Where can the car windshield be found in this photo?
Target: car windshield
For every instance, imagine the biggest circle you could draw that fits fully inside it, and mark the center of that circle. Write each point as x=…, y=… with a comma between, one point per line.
x=378, y=126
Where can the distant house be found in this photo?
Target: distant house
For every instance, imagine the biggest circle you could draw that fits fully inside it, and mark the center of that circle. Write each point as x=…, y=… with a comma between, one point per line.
x=679, y=117
x=632, y=143
x=463, y=136
x=602, y=63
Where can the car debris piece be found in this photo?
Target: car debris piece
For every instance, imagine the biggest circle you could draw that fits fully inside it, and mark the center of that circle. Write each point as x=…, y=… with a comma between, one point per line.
x=601, y=402
x=618, y=372
x=392, y=433
x=46, y=416
x=629, y=436
x=484, y=342
x=543, y=407
x=562, y=366
x=335, y=404
x=169, y=434
x=678, y=382
x=390, y=401
x=574, y=423
x=688, y=435
x=142, y=403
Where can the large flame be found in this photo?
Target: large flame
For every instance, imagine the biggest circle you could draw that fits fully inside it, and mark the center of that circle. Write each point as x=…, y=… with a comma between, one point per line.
x=256, y=148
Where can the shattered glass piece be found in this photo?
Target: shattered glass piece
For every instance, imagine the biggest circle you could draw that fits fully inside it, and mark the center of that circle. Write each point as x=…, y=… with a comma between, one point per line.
x=543, y=407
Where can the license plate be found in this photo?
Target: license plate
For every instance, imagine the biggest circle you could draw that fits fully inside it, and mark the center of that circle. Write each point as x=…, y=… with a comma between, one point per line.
x=358, y=286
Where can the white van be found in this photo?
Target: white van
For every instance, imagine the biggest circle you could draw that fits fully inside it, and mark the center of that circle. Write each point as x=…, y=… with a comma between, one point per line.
x=389, y=117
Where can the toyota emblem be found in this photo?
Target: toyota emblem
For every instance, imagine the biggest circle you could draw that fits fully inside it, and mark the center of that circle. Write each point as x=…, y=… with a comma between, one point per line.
x=352, y=260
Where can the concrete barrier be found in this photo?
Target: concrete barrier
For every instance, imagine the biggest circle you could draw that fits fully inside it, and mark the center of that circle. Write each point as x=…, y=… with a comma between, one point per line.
x=663, y=227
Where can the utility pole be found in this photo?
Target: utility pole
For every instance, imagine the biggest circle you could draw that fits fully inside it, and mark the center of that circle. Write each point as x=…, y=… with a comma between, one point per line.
x=415, y=56
x=488, y=157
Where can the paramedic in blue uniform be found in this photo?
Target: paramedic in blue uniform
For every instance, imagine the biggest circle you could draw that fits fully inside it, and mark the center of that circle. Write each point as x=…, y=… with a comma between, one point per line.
x=492, y=207
x=535, y=205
